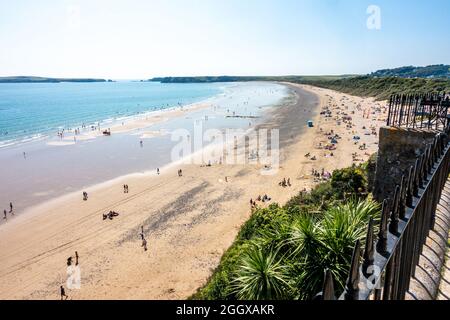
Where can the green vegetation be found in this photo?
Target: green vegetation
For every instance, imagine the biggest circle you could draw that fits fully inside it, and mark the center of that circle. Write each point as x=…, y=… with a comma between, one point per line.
x=282, y=252
x=434, y=71
x=383, y=88
x=208, y=79
x=365, y=86
x=380, y=84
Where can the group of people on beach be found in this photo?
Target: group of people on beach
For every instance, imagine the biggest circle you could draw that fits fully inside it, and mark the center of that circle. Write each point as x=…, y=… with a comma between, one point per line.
x=322, y=175
x=125, y=188
x=263, y=199
x=11, y=211
x=285, y=182
x=110, y=215
x=144, y=241
x=85, y=196
x=61, y=134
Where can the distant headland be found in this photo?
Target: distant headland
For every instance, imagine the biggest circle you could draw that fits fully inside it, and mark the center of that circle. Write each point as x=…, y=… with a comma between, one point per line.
x=380, y=84
x=26, y=79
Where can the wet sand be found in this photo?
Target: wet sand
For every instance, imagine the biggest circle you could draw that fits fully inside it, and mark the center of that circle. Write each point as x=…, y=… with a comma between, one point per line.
x=56, y=167
x=188, y=221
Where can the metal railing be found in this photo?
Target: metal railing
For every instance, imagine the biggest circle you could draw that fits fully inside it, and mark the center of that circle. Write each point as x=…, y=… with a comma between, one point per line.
x=429, y=111
x=391, y=255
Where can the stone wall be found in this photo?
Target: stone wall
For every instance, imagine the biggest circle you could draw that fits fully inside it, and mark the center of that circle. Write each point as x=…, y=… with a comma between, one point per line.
x=398, y=150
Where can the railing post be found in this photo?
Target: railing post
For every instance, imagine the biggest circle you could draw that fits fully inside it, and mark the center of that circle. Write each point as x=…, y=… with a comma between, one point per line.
x=369, y=249
x=410, y=188
x=351, y=287
x=328, y=286
x=393, y=225
x=402, y=199
x=382, y=233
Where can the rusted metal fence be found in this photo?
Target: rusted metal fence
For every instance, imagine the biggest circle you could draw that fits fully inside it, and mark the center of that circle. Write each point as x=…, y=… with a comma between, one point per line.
x=429, y=111
x=390, y=255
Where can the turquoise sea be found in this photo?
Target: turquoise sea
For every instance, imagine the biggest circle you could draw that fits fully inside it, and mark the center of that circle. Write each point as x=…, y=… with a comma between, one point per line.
x=31, y=111
x=32, y=114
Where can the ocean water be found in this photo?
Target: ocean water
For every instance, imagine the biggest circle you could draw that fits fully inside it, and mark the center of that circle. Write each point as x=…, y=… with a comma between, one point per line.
x=49, y=171
x=36, y=111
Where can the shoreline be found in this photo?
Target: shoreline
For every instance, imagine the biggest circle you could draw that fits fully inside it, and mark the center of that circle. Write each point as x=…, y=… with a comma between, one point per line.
x=68, y=161
x=118, y=125
x=41, y=207
x=115, y=119
x=189, y=221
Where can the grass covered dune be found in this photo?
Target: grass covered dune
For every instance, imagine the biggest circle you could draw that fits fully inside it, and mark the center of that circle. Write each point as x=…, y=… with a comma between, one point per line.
x=282, y=252
x=383, y=88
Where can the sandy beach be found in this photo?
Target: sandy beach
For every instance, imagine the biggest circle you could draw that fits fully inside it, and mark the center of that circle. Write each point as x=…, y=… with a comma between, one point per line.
x=188, y=221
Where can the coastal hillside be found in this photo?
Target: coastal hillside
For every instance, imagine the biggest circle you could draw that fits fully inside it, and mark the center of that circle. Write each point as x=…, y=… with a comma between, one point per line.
x=25, y=79
x=207, y=79
x=380, y=84
x=433, y=71
x=382, y=88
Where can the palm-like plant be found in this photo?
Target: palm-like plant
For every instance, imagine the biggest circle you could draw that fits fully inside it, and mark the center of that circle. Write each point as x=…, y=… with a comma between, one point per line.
x=341, y=227
x=328, y=243
x=288, y=260
x=274, y=237
x=261, y=275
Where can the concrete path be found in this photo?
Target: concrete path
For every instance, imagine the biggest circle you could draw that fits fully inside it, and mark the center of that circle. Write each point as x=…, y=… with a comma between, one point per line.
x=428, y=284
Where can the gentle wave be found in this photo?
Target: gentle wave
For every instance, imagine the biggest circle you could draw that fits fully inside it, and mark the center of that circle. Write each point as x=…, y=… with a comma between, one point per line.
x=27, y=114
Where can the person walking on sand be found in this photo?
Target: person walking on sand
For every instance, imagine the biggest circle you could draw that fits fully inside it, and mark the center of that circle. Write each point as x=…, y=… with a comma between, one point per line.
x=142, y=233
x=11, y=208
x=144, y=244
x=157, y=171
x=4, y=214
x=63, y=293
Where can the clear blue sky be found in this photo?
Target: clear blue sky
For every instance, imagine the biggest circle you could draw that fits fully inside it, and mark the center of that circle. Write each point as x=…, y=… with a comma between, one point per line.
x=133, y=39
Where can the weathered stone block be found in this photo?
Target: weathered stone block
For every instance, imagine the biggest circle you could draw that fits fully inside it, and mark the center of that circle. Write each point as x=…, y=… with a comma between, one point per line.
x=398, y=150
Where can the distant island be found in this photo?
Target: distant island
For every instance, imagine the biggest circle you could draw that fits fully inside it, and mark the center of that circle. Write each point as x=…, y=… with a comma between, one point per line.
x=25, y=79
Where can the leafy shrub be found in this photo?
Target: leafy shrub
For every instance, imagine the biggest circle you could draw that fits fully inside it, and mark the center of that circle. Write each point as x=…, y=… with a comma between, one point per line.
x=349, y=181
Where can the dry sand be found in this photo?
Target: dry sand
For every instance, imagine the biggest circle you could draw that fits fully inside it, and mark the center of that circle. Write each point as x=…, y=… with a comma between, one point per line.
x=189, y=221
